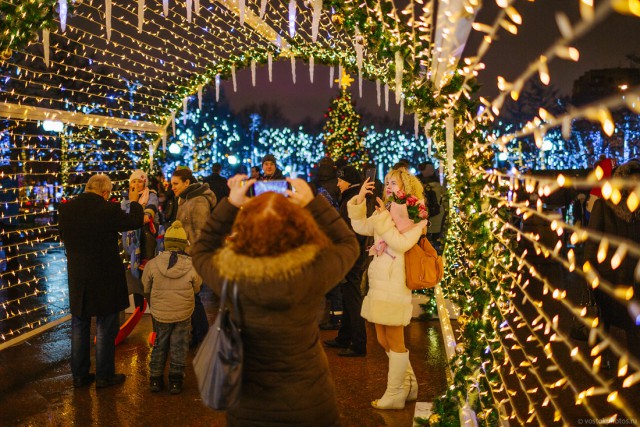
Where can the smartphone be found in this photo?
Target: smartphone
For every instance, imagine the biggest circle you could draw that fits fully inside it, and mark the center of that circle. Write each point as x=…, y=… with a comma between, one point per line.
x=371, y=174
x=277, y=186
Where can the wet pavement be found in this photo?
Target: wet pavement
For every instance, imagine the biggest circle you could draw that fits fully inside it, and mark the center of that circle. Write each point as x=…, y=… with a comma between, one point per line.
x=36, y=384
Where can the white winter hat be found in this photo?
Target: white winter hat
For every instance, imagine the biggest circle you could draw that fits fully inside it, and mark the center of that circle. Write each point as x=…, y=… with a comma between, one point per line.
x=138, y=174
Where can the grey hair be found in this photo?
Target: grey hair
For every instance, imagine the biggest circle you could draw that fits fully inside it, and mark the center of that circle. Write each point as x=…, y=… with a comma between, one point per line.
x=98, y=184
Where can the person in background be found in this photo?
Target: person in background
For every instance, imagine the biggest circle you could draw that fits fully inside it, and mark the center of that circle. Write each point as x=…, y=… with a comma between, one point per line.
x=170, y=283
x=217, y=183
x=270, y=169
x=617, y=220
x=606, y=165
x=281, y=281
x=435, y=199
x=89, y=227
x=352, y=335
x=255, y=172
x=388, y=303
x=195, y=203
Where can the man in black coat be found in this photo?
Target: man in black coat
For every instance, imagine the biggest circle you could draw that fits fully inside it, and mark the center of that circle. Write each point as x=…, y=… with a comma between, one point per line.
x=217, y=183
x=89, y=228
x=352, y=335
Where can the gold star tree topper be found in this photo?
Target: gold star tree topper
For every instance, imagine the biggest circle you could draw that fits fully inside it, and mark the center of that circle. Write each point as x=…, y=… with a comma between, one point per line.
x=345, y=80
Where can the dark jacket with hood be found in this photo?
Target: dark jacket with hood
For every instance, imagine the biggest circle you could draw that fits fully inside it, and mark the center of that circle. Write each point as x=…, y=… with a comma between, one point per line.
x=90, y=229
x=286, y=378
x=615, y=220
x=194, y=207
x=327, y=178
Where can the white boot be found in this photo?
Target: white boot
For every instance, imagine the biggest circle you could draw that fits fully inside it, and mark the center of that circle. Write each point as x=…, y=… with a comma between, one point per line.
x=395, y=395
x=410, y=384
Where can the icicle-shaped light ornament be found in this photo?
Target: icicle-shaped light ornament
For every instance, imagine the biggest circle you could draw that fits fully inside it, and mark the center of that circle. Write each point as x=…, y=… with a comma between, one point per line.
x=311, y=67
x=253, y=72
x=293, y=69
x=200, y=97
x=399, y=73
x=241, y=7
x=165, y=9
x=269, y=65
x=164, y=142
x=263, y=8
x=360, y=82
x=63, y=8
x=107, y=17
x=331, y=74
x=217, y=87
x=233, y=78
x=45, y=46
x=401, y=111
x=189, y=9
x=386, y=97
x=292, y=18
x=315, y=20
x=173, y=123
x=378, y=91
x=140, y=15
x=184, y=110
x=196, y=7
x=416, y=125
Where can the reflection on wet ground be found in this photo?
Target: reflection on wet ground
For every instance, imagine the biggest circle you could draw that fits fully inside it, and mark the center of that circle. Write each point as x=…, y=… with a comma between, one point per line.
x=36, y=389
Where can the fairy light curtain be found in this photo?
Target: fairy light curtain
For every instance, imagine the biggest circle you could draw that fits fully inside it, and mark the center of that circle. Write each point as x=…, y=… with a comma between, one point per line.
x=148, y=61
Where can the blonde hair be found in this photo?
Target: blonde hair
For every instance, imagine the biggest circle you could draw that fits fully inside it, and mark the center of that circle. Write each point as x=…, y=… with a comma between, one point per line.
x=410, y=184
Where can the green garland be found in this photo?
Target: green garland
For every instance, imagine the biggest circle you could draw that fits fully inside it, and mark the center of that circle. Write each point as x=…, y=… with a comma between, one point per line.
x=21, y=21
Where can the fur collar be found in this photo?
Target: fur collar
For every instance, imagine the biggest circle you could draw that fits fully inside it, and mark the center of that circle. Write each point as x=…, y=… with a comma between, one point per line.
x=237, y=267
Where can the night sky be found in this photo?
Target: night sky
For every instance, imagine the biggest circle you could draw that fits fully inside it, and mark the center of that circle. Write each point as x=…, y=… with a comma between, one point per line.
x=605, y=47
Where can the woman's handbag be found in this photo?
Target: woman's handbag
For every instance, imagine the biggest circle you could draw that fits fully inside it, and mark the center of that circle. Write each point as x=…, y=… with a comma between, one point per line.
x=218, y=362
x=579, y=331
x=423, y=266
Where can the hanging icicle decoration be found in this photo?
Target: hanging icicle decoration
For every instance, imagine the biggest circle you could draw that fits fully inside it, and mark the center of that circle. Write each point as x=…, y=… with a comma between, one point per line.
x=399, y=72
x=401, y=111
x=217, y=87
x=165, y=8
x=196, y=7
x=263, y=8
x=293, y=68
x=331, y=74
x=292, y=18
x=107, y=17
x=311, y=67
x=184, y=110
x=270, y=64
x=140, y=15
x=189, y=9
x=63, y=14
x=200, y=97
x=241, y=5
x=416, y=125
x=253, y=72
x=386, y=97
x=315, y=20
x=173, y=123
x=45, y=46
x=233, y=78
x=428, y=136
x=164, y=142
x=378, y=91
x=360, y=83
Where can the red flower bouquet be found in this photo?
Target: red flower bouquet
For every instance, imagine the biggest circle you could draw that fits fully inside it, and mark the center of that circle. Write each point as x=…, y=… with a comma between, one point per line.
x=416, y=209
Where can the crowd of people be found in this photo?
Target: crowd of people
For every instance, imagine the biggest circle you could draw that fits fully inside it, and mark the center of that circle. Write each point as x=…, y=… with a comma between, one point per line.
x=287, y=253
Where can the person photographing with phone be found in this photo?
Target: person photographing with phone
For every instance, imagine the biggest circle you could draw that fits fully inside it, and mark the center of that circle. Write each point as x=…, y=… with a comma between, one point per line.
x=283, y=253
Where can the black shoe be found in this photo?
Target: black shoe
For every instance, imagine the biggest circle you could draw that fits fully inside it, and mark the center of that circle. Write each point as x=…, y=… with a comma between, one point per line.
x=328, y=326
x=114, y=380
x=335, y=344
x=84, y=381
x=351, y=353
x=175, y=384
x=156, y=384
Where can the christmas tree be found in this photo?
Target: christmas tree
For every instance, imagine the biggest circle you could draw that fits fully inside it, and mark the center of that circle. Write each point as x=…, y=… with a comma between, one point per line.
x=343, y=138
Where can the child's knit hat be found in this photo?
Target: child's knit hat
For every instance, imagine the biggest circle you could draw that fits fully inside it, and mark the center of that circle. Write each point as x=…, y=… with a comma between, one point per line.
x=175, y=238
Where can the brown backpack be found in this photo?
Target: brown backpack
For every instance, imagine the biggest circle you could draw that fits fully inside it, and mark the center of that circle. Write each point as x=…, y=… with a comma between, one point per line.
x=423, y=265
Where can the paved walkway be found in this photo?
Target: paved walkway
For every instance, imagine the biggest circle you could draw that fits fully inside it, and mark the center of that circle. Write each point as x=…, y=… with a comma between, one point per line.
x=36, y=389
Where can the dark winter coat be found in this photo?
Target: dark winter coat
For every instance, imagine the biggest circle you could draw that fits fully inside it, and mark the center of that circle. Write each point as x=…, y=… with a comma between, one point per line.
x=89, y=228
x=363, y=241
x=194, y=207
x=277, y=175
x=218, y=184
x=286, y=378
x=615, y=220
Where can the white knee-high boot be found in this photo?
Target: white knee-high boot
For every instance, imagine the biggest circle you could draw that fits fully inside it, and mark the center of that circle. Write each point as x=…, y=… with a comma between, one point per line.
x=411, y=384
x=395, y=395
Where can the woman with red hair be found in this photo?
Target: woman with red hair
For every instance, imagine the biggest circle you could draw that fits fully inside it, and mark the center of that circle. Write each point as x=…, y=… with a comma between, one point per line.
x=284, y=254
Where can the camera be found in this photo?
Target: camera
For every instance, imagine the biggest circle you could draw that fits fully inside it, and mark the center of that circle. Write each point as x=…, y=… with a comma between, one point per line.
x=277, y=186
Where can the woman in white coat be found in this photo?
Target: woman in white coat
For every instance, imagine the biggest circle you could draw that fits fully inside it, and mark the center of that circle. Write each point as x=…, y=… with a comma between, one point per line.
x=388, y=302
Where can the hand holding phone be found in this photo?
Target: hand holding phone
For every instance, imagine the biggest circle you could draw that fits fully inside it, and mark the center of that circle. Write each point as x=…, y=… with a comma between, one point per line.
x=276, y=186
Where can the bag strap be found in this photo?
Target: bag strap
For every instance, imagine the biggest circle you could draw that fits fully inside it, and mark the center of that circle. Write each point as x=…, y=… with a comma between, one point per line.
x=234, y=302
